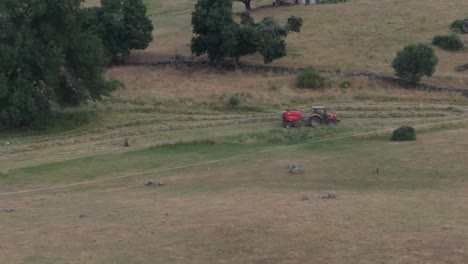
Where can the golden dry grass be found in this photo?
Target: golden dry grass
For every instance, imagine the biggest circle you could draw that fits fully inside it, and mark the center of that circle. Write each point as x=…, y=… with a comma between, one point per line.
x=202, y=83
x=359, y=35
x=196, y=82
x=365, y=35
x=236, y=228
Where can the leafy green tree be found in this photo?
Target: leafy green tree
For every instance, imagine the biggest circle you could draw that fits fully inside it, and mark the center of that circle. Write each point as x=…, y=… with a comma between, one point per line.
x=46, y=56
x=122, y=25
x=272, y=45
x=246, y=18
x=209, y=20
x=415, y=61
x=220, y=37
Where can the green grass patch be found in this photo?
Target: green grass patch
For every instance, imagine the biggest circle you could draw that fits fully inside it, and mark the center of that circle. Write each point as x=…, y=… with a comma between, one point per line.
x=111, y=165
x=342, y=164
x=350, y=163
x=3, y=175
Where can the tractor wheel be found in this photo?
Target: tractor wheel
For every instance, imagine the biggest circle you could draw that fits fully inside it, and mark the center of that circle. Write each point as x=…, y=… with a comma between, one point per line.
x=288, y=125
x=332, y=122
x=315, y=121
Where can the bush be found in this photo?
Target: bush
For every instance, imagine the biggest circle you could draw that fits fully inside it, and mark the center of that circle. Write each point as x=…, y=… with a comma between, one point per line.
x=294, y=24
x=404, y=133
x=415, y=61
x=234, y=101
x=448, y=42
x=310, y=78
x=246, y=18
x=457, y=25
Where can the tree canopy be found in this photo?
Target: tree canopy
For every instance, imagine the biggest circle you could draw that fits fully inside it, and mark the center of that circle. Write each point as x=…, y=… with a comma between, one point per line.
x=56, y=52
x=220, y=37
x=121, y=24
x=415, y=61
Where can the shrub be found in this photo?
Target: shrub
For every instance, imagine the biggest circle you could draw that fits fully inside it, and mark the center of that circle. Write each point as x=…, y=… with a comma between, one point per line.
x=457, y=25
x=415, y=61
x=404, y=133
x=246, y=18
x=234, y=101
x=448, y=42
x=310, y=78
x=294, y=24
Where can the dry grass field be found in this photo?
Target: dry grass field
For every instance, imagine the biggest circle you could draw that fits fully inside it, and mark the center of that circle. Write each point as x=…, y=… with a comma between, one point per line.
x=248, y=210
x=358, y=35
x=398, y=202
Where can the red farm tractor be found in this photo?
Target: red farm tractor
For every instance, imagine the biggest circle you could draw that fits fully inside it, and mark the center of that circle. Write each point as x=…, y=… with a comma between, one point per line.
x=317, y=116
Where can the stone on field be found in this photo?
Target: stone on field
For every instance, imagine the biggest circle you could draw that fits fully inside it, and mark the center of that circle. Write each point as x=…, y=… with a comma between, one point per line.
x=128, y=142
x=157, y=183
x=295, y=169
x=330, y=195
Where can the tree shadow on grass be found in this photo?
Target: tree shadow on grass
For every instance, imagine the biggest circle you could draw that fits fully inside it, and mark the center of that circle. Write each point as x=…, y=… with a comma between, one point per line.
x=57, y=123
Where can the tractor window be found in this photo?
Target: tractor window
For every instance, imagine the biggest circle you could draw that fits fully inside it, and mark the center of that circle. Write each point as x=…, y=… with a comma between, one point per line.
x=319, y=111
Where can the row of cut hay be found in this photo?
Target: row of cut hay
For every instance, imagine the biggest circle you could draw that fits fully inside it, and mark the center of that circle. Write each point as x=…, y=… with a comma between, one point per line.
x=393, y=114
x=444, y=108
x=134, y=130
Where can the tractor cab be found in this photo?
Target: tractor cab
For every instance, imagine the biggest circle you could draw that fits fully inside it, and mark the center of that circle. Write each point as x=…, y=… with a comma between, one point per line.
x=319, y=115
x=319, y=110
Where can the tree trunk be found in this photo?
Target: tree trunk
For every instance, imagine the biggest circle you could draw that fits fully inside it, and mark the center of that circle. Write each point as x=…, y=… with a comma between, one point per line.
x=236, y=63
x=247, y=4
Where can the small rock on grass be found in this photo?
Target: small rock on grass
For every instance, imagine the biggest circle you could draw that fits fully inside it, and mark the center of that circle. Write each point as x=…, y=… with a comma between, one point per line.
x=330, y=195
x=8, y=210
x=128, y=142
x=156, y=183
x=295, y=169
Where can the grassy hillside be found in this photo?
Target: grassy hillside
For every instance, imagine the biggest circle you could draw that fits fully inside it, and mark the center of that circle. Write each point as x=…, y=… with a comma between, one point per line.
x=228, y=196
x=163, y=105
x=179, y=105
x=358, y=35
